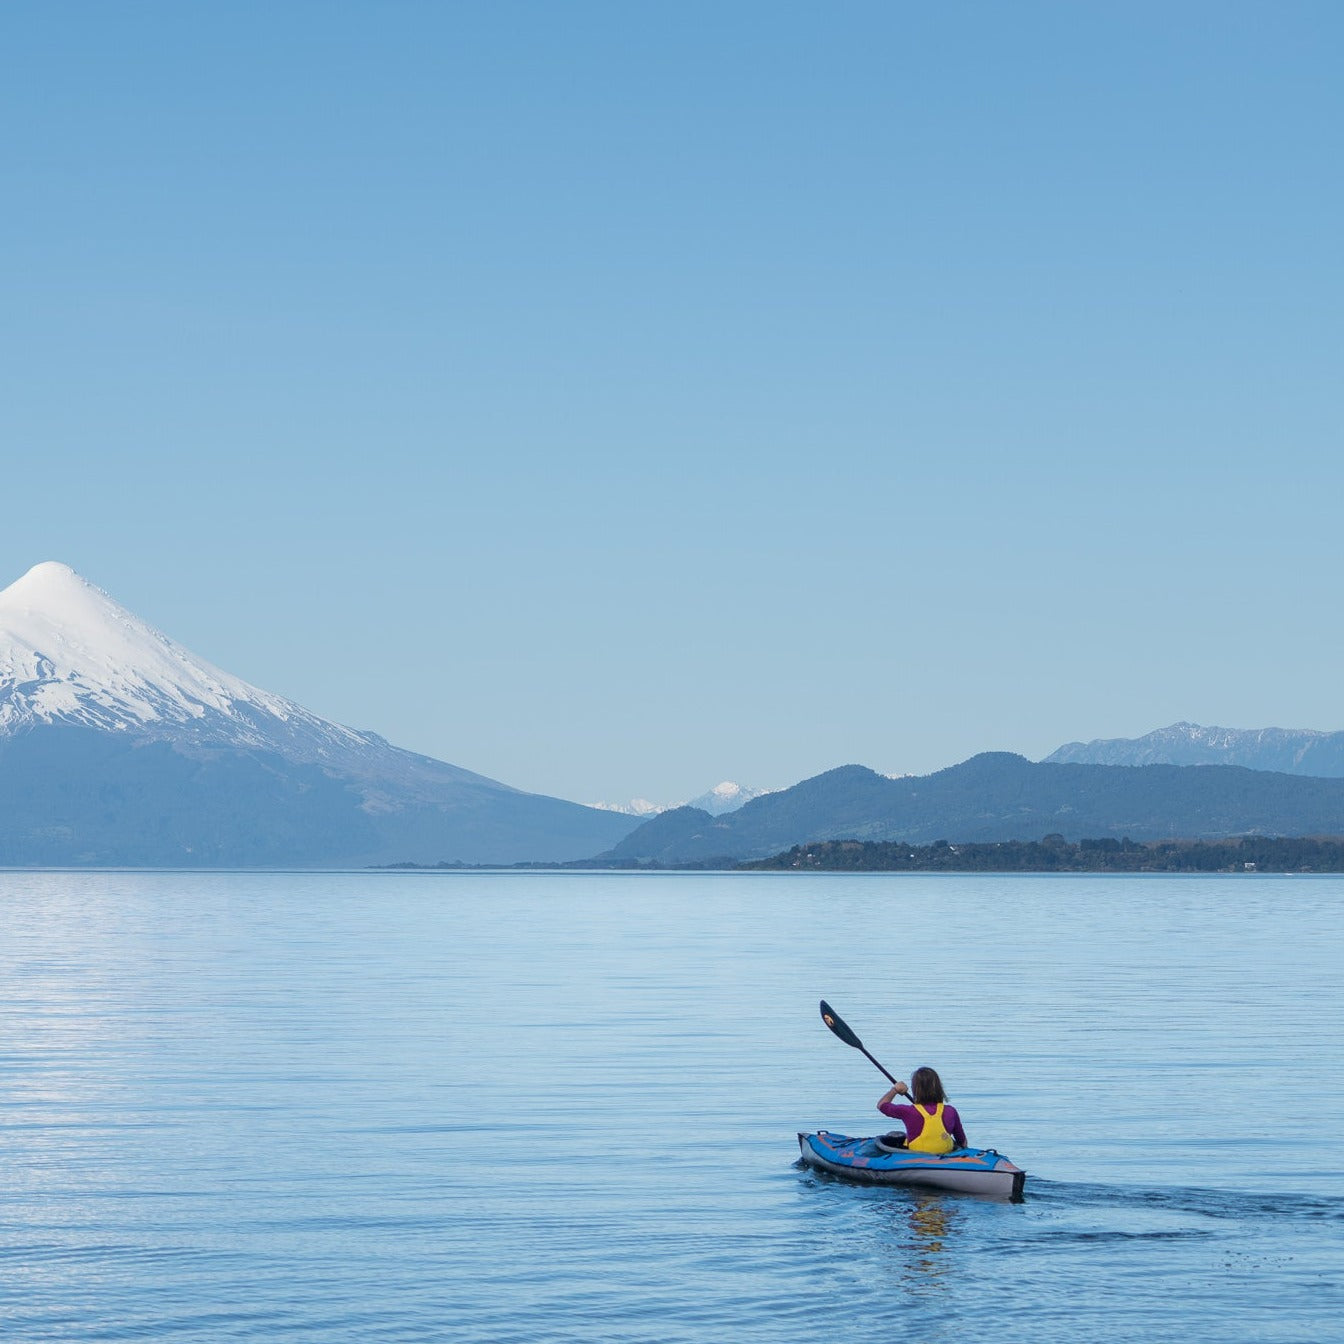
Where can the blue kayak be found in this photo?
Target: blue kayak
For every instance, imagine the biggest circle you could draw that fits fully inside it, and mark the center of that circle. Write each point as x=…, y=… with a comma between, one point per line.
x=971, y=1171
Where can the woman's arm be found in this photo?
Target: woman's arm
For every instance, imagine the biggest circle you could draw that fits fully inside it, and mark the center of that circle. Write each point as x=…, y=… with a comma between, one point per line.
x=899, y=1089
x=958, y=1133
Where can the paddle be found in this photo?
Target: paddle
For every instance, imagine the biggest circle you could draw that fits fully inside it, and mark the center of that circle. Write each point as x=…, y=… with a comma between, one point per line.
x=841, y=1028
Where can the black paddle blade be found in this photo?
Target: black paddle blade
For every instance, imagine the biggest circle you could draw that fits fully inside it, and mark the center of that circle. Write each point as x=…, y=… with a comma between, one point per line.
x=838, y=1025
x=841, y=1028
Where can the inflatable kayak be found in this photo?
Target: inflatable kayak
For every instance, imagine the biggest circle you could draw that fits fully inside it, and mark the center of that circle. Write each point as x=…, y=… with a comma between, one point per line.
x=971, y=1171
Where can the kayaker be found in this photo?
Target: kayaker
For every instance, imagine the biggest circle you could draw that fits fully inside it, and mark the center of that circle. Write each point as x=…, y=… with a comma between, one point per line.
x=931, y=1125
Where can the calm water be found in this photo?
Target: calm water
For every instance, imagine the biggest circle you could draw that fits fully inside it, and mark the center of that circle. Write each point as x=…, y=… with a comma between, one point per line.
x=368, y=1107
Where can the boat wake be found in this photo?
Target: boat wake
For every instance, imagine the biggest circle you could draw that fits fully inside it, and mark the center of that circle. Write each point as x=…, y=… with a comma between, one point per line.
x=1201, y=1201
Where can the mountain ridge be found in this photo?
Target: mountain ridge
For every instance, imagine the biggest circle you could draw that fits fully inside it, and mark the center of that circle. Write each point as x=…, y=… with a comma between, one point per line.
x=1294, y=751
x=120, y=746
x=997, y=796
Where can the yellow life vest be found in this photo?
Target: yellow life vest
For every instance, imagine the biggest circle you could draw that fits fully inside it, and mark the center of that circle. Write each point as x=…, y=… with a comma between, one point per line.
x=933, y=1138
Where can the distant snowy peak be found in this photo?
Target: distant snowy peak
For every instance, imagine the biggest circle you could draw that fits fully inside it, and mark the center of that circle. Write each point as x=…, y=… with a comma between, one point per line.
x=636, y=807
x=722, y=798
x=726, y=797
x=1293, y=751
x=70, y=654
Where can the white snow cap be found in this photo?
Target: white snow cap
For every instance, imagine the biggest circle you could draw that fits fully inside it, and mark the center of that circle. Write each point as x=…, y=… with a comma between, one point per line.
x=721, y=799
x=70, y=654
x=726, y=797
x=636, y=807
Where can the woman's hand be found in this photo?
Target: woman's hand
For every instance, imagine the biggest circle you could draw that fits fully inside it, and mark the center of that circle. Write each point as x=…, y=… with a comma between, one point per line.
x=897, y=1089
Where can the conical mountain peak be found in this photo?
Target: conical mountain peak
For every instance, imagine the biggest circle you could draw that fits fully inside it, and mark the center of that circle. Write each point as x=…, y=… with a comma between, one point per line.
x=69, y=653
x=47, y=572
x=54, y=588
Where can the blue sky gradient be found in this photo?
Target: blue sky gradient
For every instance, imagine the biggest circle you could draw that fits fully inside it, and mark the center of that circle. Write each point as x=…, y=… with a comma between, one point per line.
x=613, y=399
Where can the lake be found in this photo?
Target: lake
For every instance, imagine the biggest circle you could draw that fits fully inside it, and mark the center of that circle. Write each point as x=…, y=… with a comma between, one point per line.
x=519, y=1107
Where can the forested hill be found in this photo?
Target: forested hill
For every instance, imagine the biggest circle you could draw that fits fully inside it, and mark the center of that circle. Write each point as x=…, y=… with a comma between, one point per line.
x=995, y=797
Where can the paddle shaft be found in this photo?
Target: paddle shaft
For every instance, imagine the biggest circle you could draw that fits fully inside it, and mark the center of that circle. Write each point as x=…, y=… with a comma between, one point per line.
x=890, y=1078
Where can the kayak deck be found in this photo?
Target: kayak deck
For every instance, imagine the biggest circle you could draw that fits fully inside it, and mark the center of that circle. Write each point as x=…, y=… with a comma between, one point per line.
x=974, y=1171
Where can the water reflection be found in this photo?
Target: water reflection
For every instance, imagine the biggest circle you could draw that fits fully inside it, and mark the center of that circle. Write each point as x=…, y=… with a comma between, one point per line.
x=930, y=1221
x=919, y=1232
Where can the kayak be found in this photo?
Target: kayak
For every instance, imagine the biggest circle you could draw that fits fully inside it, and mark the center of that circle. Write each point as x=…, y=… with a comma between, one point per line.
x=971, y=1171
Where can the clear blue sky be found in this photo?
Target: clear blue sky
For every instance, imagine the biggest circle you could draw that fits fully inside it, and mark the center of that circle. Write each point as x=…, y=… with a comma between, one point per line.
x=617, y=398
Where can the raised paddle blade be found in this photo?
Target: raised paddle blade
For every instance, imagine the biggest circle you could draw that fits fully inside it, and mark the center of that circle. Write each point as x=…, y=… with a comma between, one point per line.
x=838, y=1025
x=841, y=1028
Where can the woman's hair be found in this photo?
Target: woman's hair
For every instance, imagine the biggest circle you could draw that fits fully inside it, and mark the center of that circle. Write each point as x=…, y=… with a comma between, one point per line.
x=927, y=1087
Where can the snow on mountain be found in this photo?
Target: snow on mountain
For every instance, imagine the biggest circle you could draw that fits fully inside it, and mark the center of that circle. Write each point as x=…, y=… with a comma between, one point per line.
x=71, y=655
x=722, y=798
x=636, y=807
x=1294, y=751
x=120, y=747
x=726, y=797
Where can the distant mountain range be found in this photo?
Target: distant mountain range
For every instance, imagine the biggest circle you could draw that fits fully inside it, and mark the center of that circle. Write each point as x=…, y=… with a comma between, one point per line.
x=1293, y=751
x=725, y=797
x=120, y=747
x=997, y=796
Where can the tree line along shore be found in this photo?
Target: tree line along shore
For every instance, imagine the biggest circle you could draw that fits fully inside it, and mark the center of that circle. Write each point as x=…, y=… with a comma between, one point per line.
x=1055, y=854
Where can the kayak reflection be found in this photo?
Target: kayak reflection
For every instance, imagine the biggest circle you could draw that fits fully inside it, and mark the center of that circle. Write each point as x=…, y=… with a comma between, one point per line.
x=930, y=1220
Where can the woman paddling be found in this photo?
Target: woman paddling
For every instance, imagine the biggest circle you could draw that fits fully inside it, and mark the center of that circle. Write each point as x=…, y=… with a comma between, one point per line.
x=931, y=1125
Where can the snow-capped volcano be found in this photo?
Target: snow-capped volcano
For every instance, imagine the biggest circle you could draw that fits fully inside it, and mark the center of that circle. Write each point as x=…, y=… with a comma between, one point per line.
x=71, y=654
x=119, y=745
